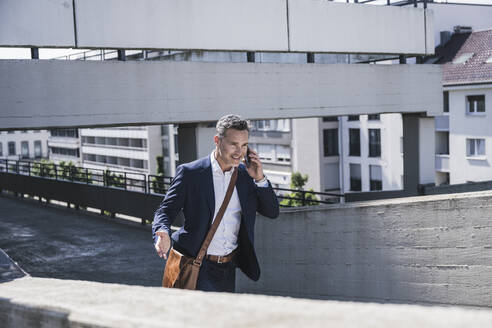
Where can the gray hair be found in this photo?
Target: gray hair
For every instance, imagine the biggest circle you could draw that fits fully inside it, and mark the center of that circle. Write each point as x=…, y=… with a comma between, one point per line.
x=231, y=121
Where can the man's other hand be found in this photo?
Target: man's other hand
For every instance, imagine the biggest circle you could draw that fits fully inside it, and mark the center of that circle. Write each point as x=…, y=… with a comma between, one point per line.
x=163, y=244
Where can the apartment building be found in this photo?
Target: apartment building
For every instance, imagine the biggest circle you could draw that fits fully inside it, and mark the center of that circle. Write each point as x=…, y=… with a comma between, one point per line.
x=463, y=135
x=24, y=145
x=129, y=149
x=64, y=145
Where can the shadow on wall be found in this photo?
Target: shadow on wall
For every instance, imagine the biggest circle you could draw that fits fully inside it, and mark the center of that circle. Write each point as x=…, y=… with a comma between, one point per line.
x=18, y=315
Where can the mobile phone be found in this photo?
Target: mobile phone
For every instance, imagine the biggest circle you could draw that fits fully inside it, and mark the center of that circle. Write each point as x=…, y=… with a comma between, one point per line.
x=247, y=160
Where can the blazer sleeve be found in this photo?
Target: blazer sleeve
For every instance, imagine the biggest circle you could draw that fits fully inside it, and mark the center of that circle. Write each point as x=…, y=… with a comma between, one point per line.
x=267, y=202
x=171, y=205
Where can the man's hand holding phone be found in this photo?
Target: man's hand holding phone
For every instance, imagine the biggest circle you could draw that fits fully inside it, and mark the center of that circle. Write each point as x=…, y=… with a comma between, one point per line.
x=255, y=168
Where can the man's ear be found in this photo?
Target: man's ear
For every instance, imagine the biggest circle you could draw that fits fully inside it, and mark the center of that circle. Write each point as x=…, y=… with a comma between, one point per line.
x=216, y=140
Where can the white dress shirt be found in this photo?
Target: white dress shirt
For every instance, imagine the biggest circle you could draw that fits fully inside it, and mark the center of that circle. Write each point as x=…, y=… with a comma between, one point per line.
x=225, y=238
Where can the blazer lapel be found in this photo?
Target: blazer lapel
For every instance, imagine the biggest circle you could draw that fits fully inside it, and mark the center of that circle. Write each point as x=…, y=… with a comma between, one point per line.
x=242, y=189
x=208, y=188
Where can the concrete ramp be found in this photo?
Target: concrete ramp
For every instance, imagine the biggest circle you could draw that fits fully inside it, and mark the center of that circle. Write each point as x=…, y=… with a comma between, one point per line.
x=55, y=303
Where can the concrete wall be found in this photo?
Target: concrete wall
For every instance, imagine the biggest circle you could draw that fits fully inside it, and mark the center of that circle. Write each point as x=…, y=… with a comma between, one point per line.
x=307, y=157
x=46, y=94
x=433, y=249
x=205, y=139
x=255, y=25
x=38, y=302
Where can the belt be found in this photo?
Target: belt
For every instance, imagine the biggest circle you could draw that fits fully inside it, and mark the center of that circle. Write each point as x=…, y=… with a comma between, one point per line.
x=223, y=258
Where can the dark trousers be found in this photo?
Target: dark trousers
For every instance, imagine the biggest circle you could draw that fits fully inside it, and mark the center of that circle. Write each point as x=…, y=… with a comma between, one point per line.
x=215, y=277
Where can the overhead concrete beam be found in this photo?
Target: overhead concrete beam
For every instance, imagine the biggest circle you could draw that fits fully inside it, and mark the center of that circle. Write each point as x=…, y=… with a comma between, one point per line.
x=322, y=26
x=225, y=25
x=41, y=94
x=38, y=23
x=182, y=24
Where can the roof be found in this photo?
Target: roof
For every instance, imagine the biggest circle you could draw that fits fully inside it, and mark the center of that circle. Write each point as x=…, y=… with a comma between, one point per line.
x=475, y=70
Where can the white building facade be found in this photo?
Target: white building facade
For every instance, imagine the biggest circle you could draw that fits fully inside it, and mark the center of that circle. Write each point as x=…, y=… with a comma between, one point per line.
x=127, y=149
x=64, y=146
x=470, y=135
x=24, y=145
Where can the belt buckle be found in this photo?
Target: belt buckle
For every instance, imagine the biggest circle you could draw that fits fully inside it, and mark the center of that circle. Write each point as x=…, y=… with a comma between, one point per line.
x=218, y=259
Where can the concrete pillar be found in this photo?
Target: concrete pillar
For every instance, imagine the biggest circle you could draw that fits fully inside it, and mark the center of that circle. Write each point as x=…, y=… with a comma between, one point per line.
x=418, y=152
x=187, y=148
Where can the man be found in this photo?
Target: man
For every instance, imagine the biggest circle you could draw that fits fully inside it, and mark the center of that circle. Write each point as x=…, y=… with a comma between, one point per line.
x=198, y=189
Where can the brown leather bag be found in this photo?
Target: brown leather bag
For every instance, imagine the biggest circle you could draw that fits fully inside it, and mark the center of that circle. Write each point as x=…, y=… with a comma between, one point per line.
x=182, y=271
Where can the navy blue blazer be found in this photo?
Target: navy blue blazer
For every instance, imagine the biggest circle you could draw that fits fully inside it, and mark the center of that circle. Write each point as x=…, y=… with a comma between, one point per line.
x=192, y=191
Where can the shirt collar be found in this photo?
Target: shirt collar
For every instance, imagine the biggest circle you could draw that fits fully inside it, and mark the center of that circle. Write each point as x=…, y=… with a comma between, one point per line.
x=215, y=165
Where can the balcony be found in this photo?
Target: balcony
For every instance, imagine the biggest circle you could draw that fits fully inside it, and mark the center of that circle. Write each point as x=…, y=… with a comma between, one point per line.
x=442, y=163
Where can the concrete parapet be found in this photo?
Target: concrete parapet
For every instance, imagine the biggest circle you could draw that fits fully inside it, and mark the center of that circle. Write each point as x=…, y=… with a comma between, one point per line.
x=29, y=302
x=430, y=249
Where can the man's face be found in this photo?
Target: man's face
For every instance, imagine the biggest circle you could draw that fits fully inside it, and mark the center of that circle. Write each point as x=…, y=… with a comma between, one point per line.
x=232, y=147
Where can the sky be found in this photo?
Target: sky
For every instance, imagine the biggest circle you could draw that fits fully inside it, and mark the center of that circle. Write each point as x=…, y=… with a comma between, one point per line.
x=25, y=53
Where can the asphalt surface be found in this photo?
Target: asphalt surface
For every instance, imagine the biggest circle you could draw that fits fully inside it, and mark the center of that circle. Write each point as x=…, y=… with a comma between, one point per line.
x=54, y=242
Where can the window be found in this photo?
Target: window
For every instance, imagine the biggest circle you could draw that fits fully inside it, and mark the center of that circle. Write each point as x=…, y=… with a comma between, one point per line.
x=283, y=153
x=38, y=151
x=266, y=152
x=330, y=119
x=282, y=125
x=445, y=101
x=475, y=104
x=70, y=133
x=475, y=147
x=373, y=117
x=11, y=146
x=355, y=181
x=90, y=157
x=65, y=151
x=24, y=149
x=354, y=142
x=330, y=142
x=374, y=143
x=137, y=163
x=375, y=177
x=353, y=117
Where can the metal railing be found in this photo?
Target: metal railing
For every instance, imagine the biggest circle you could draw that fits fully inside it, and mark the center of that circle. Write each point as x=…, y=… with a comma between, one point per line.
x=139, y=182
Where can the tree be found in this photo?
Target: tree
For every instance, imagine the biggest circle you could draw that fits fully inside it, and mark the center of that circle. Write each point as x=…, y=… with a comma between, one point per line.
x=157, y=184
x=44, y=168
x=113, y=179
x=299, y=197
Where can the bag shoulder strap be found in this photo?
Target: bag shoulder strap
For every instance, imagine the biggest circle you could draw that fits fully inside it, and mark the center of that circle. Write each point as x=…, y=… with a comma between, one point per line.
x=218, y=218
